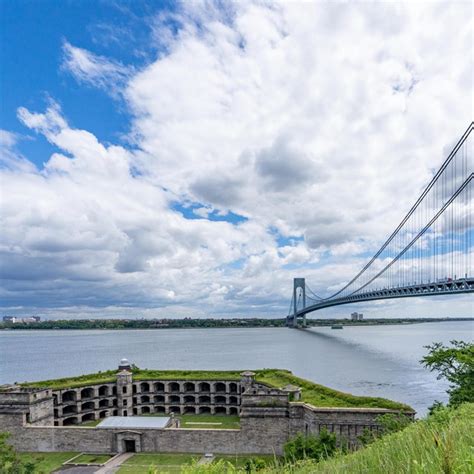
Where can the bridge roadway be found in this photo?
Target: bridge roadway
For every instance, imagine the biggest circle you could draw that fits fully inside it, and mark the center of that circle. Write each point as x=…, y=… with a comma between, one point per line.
x=461, y=285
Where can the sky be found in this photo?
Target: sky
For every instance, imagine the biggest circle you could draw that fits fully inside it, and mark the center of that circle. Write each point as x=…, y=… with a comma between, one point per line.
x=171, y=159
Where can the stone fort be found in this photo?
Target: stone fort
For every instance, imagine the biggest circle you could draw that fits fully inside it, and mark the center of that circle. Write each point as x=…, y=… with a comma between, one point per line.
x=42, y=419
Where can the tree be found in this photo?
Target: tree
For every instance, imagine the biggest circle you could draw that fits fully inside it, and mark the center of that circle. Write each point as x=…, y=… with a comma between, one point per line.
x=10, y=463
x=311, y=447
x=389, y=423
x=454, y=363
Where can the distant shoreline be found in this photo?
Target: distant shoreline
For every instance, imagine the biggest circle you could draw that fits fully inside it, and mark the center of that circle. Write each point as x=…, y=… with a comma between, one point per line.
x=189, y=323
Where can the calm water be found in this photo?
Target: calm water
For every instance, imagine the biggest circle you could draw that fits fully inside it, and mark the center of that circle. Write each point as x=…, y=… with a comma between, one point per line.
x=377, y=361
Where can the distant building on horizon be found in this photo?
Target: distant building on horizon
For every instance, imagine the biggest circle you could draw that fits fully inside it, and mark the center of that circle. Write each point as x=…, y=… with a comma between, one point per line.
x=357, y=316
x=16, y=320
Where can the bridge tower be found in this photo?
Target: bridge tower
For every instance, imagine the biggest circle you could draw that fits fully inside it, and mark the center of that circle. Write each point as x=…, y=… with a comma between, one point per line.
x=298, y=283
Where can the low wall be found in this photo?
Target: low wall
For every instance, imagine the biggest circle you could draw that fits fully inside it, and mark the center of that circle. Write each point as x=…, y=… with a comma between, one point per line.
x=151, y=440
x=51, y=438
x=348, y=424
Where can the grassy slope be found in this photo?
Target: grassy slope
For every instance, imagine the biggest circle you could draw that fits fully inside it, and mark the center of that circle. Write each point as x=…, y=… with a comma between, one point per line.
x=425, y=447
x=162, y=463
x=315, y=394
x=92, y=459
x=239, y=461
x=46, y=463
x=226, y=422
x=321, y=396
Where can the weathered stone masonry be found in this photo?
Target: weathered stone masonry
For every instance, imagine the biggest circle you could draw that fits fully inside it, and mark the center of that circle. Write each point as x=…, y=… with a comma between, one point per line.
x=41, y=419
x=126, y=398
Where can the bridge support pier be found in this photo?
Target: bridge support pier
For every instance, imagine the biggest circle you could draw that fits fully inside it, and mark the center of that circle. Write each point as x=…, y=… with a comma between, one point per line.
x=298, y=283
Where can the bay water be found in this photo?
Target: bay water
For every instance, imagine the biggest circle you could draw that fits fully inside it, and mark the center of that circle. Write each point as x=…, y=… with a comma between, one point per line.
x=378, y=361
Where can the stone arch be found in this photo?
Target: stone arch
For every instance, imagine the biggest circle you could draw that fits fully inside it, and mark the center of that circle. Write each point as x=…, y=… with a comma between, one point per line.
x=204, y=387
x=145, y=399
x=175, y=399
x=144, y=387
x=221, y=411
x=175, y=409
x=159, y=387
x=220, y=387
x=174, y=387
x=190, y=410
x=88, y=417
x=233, y=411
x=204, y=410
x=160, y=409
x=87, y=406
x=220, y=399
x=189, y=399
x=72, y=420
x=103, y=391
x=189, y=387
x=159, y=398
x=87, y=392
x=103, y=403
x=103, y=413
x=204, y=399
x=233, y=400
x=69, y=409
x=69, y=396
x=146, y=410
x=233, y=387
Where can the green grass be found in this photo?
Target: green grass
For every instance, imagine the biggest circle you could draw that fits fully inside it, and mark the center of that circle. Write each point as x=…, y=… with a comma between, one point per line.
x=424, y=447
x=138, y=374
x=321, y=396
x=240, y=460
x=312, y=393
x=74, y=382
x=226, y=422
x=92, y=459
x=45, y=463
x=163, y=462
x=92, y=422
x=147, y=374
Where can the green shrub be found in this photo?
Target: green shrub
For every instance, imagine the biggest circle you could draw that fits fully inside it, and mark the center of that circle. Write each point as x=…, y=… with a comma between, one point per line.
x=311, y=447
x=441, y=444
x=253, y=465
x=10, y=462
x=454, y=363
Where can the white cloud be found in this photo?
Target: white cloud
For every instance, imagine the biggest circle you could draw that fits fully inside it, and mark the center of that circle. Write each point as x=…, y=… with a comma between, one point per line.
x=9, y=158
x=7, y=139
x=310, y=119
x=94, y=70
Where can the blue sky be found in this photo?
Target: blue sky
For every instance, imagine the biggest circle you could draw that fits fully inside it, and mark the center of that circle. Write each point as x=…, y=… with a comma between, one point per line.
x=194, y=157
x=31, y=61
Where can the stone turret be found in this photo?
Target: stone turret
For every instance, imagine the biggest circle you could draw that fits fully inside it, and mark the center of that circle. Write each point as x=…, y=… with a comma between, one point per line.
x=125, y=365
x=31, y=406
x=125, y=388
x=247, y=380
x=293, y=392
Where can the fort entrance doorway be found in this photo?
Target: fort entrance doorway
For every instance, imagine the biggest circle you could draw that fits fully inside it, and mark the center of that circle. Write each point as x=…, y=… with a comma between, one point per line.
x=129, y=446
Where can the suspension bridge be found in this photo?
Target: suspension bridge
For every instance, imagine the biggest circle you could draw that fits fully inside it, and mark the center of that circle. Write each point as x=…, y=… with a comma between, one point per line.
x=429, y=253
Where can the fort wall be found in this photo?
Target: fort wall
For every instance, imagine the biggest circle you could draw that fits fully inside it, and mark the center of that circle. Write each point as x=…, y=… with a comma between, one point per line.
x=38, y=419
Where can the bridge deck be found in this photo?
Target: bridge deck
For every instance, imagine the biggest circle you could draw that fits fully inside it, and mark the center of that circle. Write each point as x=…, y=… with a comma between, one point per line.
x=462, y=285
